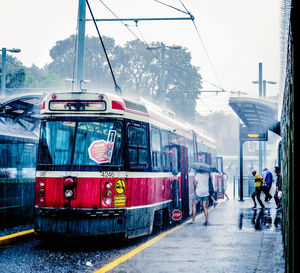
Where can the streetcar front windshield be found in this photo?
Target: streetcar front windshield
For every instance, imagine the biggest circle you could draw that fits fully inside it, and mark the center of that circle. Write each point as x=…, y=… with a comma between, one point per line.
x=80, y=143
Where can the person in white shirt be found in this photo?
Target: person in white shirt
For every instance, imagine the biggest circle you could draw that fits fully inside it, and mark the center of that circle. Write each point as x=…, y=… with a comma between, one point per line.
x=225, y=179
x=201, y=193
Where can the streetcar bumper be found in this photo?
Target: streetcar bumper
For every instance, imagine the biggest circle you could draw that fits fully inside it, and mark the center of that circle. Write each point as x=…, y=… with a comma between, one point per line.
x=79, y=222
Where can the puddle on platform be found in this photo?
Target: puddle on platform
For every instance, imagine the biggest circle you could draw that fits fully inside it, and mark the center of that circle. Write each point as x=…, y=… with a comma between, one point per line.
x=266, y=219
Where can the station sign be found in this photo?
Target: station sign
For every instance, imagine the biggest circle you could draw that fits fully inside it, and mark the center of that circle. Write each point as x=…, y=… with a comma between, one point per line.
x=252, y=134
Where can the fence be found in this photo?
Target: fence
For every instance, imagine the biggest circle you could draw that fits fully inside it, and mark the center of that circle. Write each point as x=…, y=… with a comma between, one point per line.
x=248, y=186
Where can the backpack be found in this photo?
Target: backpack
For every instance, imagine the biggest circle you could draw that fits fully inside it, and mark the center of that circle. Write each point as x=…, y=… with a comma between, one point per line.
x=210, y=186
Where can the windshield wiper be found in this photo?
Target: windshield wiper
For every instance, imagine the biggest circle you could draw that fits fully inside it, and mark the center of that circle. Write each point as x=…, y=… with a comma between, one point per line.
x=74, y=142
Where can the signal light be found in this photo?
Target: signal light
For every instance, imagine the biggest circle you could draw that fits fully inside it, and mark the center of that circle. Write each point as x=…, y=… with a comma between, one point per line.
x=69, y=182
x=42, y=192
x=118, y=105
x=107, y=194
x=108, y=185
x=42, y=200
x=107, y=202
x=53, y=97
x=43, y=105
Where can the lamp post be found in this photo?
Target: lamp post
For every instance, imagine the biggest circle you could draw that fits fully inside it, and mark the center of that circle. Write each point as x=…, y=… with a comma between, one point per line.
x=3, y=68
x=162, y=77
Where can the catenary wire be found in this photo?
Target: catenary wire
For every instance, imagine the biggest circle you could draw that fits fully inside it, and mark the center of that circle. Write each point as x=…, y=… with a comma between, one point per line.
x=147, y=44
x=117, y=88
x=204, y=47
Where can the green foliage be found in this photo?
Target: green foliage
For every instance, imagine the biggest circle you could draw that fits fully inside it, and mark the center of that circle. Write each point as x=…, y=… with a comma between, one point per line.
x=41, y=78
x=19, y=76
x=136, y=69
x=15, y=73
x=15, y=79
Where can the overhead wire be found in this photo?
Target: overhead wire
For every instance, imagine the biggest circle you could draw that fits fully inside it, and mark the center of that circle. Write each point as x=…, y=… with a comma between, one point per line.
x=117, y=88
x=147, y=44
x=204, y=47
x=185, y=12
x=114, y=14
x=143, y=41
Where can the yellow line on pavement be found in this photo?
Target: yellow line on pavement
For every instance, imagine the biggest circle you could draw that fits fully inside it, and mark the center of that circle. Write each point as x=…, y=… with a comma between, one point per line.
x=143, y=246
x=6, y=240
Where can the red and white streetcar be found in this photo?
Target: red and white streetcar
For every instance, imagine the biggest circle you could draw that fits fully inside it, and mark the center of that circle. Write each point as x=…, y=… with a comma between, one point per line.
x=108, y=165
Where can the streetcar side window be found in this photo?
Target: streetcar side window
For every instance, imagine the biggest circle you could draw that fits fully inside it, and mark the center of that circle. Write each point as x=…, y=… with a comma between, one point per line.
x=138, y=152
x=156, y=149
x=166, y=156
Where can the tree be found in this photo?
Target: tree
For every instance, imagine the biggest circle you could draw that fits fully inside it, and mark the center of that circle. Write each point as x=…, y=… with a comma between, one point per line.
x=15, y=73
x=96, y=68
x=183, y=81
x=136, y=70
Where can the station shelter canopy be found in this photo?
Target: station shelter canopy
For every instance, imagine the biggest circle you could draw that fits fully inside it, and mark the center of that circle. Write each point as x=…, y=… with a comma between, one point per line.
x=257, y=113
x=20, y=113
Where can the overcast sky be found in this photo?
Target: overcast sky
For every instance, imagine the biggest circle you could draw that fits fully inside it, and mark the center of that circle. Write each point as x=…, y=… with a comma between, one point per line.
x=236, y=34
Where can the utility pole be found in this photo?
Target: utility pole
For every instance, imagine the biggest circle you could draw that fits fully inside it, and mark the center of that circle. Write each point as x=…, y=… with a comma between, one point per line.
x=162, y=88
x=80, y=44
x=3, y=68
x=81, y=38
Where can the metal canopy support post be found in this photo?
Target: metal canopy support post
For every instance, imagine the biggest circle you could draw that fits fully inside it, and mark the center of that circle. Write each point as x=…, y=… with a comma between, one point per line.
x=241, y=164
x=162, y=79
x=260, y=86
x=3, y=73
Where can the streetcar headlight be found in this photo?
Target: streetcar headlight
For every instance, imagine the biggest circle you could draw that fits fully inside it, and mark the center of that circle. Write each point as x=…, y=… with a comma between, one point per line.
x=108, y=185
x=107, y=202
x=69, y=193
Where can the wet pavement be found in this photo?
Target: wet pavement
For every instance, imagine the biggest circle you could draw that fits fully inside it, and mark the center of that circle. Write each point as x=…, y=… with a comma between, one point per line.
x=237, y=239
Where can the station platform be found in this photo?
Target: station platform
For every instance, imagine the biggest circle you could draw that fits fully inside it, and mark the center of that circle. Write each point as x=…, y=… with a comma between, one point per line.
x=237, y=239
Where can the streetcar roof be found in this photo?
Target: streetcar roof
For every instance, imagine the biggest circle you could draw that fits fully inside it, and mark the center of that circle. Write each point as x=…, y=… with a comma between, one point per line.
x=138, y=108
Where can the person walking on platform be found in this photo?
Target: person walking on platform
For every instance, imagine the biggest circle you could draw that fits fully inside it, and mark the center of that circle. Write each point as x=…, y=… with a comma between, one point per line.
x=258, y=189
x=201, y=193
x=225, y=180
x=278, y=191
x=267, y=184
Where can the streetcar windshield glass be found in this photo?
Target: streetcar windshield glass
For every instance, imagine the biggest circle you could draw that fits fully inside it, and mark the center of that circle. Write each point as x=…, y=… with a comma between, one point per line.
x=80, y=143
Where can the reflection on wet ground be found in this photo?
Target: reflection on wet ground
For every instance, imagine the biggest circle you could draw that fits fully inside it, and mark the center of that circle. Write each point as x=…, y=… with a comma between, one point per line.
x=260, y=219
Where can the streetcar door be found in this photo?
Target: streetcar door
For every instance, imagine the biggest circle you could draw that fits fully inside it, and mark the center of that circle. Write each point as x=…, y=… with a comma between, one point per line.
x=180, y=164
x=219, y=160
x=184, y=181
